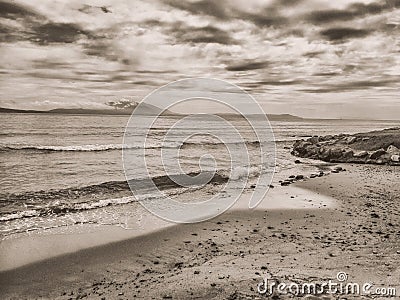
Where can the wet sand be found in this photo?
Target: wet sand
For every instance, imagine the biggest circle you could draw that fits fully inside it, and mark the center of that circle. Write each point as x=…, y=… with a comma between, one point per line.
x=227, y=257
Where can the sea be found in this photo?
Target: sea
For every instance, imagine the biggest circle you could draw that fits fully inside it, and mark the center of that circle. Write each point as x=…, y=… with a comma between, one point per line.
x=54, y=166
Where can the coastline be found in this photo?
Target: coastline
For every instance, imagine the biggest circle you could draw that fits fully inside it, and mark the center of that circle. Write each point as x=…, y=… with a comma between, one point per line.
x=27, y=248
x=229, y=255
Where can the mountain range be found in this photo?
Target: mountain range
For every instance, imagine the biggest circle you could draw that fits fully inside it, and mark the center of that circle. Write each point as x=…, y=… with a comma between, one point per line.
x=146, y=109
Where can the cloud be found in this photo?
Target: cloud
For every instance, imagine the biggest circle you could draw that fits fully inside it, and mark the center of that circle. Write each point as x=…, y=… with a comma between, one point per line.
x=35, y=27
x=264, y=18
x=212, y=8
x=331, y=15
x=57, y=33
x=246, y=66
x=354, y=85
x=206, y=34
x=266, y=15
x=352, y=11
x=13, y=11
x=281, y=50
x=343, y=33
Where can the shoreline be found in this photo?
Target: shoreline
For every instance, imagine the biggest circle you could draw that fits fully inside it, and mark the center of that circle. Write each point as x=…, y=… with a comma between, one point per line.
x=227, y=257
x=27, y=248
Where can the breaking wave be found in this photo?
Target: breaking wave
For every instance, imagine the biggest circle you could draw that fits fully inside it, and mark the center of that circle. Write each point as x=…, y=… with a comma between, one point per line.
x=110, y=147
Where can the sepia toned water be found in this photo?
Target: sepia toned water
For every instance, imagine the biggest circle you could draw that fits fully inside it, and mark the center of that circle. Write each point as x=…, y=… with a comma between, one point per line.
x=46, y=157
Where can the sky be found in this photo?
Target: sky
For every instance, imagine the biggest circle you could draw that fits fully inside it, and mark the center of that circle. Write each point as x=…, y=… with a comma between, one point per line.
x=316, y=58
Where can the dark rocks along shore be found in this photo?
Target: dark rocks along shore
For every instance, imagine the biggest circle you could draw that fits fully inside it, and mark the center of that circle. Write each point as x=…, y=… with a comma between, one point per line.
x=376, y=147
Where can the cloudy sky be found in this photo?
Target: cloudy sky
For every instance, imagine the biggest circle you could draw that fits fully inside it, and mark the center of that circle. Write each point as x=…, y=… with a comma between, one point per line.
x=312, y=58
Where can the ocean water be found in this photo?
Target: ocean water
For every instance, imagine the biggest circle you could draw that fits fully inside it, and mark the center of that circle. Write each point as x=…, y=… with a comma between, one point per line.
x=75, y=162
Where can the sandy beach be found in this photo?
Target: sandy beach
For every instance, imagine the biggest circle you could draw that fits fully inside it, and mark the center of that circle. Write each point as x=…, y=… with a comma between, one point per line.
x=227, y=257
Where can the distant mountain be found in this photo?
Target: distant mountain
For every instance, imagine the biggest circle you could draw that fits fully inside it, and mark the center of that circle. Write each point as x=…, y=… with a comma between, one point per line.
x=281, y=117
x=284, y=117
x=145, y=109
x=18, y=111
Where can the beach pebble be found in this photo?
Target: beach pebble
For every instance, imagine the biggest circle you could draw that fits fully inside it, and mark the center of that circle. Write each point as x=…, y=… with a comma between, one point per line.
x=395, y=158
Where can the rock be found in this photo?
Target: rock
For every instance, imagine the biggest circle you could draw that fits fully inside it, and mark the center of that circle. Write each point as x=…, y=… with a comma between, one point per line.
x=345, y=148
x=348, y=154
x=337, y=169
x=393, y=150
x=297, y=161
x=299, y=177
x=378, y=153
x=361, y=154
x=351, y=139
x=395, y=158
x=197, y=272
x=178, y=265
x=324, y=153
x=336, y=153
x=313, y=175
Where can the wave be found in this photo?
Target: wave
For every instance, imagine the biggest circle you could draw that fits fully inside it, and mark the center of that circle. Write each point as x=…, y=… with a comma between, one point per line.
x=55, y=202
x=110, y=147
x=84, y=148
x=64, y=208
x=70, y=200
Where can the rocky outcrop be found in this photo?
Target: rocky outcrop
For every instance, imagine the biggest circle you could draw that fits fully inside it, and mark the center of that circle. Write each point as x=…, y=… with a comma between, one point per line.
x=378, y=147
